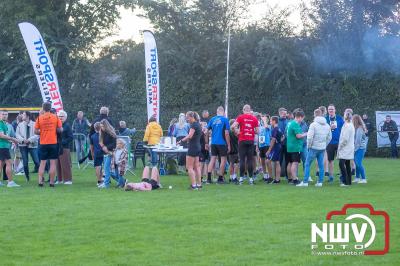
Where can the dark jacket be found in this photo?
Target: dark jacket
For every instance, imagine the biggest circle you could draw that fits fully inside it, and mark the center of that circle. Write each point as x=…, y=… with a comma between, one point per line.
x=98, y=119
x=80, y=126
x=369, y=126
x=66, y=136
x=391, y=129
x=282, y=124
x=109, y=141
x=127, y=132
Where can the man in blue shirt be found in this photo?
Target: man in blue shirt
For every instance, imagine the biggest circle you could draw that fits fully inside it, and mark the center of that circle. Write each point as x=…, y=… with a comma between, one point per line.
x=282, y=124
x=220, y=143
x=336, y=123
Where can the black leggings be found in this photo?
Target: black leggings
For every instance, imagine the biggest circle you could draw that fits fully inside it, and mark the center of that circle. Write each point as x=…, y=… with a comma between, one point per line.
x=345, y=170
x=246, y=153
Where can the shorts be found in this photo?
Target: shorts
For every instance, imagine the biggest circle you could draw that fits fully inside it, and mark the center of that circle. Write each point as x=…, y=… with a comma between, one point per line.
x=331, y=150
x=275, y=154
x=293, y=157
x=263, y=152
x=255, y=151
x=233, y=158
x=98, y=161
x=5, y=154
x=204, y=157
x=48, y=152
x=152, y=182
x=219, y=150
x=193, y=153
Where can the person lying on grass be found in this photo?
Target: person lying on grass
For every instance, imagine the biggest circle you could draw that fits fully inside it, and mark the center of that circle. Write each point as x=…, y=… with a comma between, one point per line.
x=148, y=182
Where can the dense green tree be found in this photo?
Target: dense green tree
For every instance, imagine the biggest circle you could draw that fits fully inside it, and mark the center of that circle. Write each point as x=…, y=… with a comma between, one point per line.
x=71, y=30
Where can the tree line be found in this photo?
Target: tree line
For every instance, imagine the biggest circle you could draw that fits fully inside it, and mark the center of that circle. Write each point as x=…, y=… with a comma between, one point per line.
x=346, y=54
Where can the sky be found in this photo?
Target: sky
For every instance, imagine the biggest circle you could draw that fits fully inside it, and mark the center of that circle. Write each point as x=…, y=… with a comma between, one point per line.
x=130, y=25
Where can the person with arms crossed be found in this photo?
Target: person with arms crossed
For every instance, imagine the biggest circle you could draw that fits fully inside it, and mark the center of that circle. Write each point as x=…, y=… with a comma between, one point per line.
x=47, y=126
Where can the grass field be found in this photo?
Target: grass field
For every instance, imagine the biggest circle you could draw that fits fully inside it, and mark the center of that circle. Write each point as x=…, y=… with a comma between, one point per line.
x=220, y=225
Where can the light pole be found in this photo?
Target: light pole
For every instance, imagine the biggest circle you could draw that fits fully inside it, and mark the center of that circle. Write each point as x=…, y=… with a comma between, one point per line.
x=227, y=73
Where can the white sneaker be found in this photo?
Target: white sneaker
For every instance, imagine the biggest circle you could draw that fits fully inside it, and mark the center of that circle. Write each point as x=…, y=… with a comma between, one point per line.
x=58, y=182
x=343, y=185
x=102, y=185
x=68, y=183
x=318, y=184
x=20, y=173
x=241, y=180
x=362, y=181
x=302, y=184
x=251, y=181
x=12, y=184
x=310, y=179
x=356, y=180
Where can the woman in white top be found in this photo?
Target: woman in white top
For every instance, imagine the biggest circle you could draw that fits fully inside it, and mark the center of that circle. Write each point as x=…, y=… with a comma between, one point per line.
x=346, y=148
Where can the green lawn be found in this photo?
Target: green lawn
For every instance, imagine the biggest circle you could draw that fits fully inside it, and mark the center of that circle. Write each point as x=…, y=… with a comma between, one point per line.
x=220, y=225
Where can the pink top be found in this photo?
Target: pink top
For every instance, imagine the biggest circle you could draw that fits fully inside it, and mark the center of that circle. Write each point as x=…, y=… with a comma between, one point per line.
x=142, y=186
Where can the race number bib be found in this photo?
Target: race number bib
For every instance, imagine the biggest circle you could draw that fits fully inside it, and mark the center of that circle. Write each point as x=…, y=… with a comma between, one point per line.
x=261, y=139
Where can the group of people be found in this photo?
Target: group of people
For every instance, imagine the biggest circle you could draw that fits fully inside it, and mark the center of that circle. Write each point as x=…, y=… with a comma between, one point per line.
x=252, y=143
x=47, y=141
x=256, y=143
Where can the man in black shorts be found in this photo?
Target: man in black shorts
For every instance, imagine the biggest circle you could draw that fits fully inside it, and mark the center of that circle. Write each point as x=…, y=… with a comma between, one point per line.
x=248, y=127
x=47, y=126
x=294, y=135
x=336, y=123
x=220, y=143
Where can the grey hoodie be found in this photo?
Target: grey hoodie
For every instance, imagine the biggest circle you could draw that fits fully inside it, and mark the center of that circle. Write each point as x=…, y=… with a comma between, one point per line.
x=360, y=140
x=319, y=134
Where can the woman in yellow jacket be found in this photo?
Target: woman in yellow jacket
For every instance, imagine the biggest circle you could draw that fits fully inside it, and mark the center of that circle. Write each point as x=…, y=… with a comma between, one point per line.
x=152, y=136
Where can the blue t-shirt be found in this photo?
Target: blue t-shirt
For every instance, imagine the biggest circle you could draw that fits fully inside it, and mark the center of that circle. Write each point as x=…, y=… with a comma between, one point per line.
x=338, y=120
x=218, y=125
x=264, y=137
x=98, y=151
x=277, y=134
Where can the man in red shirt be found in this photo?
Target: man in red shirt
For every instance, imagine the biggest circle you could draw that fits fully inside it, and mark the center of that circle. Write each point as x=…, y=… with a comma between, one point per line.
x=248, y=125
x=47, y=126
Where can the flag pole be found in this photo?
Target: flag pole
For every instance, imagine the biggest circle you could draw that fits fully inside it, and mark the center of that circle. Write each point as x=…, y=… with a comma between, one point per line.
x=227, y=74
